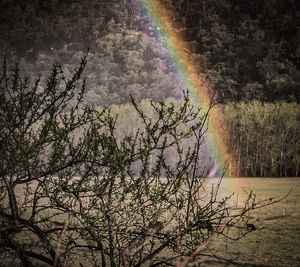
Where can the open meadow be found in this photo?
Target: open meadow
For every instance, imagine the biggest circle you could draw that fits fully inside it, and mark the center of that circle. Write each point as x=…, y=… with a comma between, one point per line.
x=276, y=242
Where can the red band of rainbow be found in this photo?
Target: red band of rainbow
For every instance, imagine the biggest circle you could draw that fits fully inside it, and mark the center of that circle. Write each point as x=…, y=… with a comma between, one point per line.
x=170, y=36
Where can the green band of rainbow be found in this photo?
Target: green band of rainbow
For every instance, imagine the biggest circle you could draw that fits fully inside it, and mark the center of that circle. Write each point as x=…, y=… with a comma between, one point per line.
x=187, y=69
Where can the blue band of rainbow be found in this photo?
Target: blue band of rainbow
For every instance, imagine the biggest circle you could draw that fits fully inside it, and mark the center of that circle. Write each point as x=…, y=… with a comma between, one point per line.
x=169, y=36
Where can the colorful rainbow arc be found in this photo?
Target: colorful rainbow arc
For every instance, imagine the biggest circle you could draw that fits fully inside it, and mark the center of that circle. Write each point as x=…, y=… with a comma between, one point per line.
x=172, y=39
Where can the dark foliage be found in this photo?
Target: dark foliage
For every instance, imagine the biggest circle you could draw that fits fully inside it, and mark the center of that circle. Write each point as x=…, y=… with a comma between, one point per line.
x=249, y=50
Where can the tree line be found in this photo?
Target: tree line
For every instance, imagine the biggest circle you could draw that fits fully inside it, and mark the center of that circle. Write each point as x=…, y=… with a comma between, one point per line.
x=263, y=137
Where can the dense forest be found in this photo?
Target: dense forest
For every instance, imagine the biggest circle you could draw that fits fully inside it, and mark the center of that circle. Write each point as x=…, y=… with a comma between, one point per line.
x=264, y=138
x=248, y=50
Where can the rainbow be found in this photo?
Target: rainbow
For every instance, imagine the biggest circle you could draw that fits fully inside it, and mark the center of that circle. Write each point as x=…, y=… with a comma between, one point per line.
x=179, y=52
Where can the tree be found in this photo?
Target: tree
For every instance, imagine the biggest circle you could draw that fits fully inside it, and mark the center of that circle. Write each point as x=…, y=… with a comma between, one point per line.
x=71, y=190
x=39, y=139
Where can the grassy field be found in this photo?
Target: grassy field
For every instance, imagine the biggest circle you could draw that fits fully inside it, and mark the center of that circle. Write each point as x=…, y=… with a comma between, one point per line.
x=278, y=242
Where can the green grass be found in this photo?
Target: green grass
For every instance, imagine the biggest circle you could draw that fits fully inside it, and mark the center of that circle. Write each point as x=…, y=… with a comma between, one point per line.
x=278, y=242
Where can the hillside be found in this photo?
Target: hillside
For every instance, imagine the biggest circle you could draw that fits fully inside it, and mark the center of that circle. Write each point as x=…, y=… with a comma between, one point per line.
x=247, y=52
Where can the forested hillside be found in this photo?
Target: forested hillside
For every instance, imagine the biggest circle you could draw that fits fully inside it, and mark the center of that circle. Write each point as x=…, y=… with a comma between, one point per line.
x=248, y=50
x=123, y=59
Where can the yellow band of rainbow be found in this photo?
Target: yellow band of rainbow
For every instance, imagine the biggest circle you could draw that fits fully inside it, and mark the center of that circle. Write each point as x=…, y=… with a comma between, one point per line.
x=189, y=74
